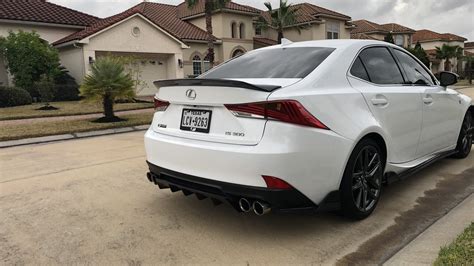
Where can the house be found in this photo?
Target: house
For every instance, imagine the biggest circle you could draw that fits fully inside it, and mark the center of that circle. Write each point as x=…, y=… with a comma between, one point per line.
x=429, y=40
x=317, y=23
x=52, y=22
x=164, y=41
x=365, y=29
x=469, y=48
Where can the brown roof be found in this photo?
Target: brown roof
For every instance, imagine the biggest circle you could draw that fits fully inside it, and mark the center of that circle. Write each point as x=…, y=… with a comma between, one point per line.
x=469, y=45
x=307, y=13
x=42, y=11
x=428, y=35
x=264, y=41
x=467, y=53
x=185, y=12
x=164, y=16
x=362, y=36
x=397, y=28
x=365, y=26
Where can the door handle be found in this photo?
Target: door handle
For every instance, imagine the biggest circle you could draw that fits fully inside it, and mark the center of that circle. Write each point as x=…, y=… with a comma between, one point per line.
x=379, y=101
x=428, y=99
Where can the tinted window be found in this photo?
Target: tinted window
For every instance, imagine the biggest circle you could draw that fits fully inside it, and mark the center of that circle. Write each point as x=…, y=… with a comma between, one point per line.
x=287, y=62
x=381, y=66
x=358, y=70
x=415, y=73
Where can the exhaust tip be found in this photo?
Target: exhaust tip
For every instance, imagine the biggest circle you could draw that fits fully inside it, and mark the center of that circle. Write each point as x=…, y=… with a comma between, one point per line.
x=245, y=205
x=261, y=208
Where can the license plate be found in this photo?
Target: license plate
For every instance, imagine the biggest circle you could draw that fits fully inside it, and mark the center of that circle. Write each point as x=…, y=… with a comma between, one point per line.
x=196, y=120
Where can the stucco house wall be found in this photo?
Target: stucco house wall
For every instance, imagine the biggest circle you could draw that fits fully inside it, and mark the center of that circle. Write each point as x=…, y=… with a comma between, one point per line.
x=72, y=58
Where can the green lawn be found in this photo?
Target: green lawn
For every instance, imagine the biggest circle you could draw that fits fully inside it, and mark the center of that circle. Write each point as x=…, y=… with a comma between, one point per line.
x=65, y=109
x=460, y=252
x=40, y=129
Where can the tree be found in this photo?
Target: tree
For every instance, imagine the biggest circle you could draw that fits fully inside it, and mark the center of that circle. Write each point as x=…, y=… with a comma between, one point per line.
x=420, y=53
x=469, y=59
x=209, y=7
x=28, y=57
x=447, y=52
x=107, y=82
x=389, y=38
x=47, y=90
x=280, y=18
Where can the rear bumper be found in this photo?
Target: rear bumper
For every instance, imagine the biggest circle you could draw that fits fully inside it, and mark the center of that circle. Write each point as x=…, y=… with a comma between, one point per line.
x=280, y=200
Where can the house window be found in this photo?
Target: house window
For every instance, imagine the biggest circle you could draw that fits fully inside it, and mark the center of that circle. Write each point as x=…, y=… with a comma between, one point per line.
x=332, y=30
x=206, y=64
x=197, y=65
x=242, y=30
x=233, y=29
x=237, y=52
x=258, y=30
x=399, y=40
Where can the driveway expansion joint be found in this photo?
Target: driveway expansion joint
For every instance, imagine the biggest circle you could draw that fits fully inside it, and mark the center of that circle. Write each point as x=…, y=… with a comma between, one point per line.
x=78, y=135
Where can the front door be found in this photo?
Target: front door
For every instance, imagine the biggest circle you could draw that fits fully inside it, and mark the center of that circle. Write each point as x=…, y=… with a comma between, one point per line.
x=441, y=107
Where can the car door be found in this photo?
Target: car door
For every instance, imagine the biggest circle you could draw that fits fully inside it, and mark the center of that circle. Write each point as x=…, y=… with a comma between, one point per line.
x=441, y=108
x=396, y=106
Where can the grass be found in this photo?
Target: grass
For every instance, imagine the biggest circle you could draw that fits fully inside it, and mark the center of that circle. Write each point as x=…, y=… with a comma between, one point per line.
x=40, y=129
x=65, y=109
x=460, y=252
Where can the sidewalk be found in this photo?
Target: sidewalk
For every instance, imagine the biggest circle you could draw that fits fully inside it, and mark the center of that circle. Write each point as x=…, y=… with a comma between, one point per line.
x=424, y=248
x=69, y=118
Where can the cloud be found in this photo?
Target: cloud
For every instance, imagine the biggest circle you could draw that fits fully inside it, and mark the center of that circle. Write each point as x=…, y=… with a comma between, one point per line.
x=454, y=16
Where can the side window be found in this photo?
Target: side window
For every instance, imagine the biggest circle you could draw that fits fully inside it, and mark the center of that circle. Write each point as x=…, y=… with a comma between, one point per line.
x=381, y=66
x=358, y=70
x=414, y=72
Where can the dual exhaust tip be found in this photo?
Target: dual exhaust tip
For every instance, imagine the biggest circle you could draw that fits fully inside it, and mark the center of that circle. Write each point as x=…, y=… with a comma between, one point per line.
x=259, y=208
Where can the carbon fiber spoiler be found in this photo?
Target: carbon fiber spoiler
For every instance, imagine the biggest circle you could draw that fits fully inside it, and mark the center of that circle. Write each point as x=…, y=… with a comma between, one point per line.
x=215, y=83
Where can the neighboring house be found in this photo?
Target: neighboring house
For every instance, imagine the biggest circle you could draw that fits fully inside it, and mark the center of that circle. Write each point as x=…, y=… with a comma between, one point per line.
x=469, y=48
x=318, y=24
x=369, y=30
x=167, y=41
x=50, y=21
x=429, y=40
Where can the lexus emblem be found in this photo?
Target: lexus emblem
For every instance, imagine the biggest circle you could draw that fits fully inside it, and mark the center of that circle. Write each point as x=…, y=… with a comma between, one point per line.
x=191, y=94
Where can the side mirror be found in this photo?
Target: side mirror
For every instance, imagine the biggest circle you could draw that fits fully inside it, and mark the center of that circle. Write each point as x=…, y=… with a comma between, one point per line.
x=448, y=78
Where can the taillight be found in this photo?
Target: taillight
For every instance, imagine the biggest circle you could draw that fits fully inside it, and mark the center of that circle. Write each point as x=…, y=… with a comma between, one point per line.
x=275, y=182
x=160, y=105
x=289, y=111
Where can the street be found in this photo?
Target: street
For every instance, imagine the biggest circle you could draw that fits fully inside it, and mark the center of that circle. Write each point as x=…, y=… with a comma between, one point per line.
x=88, y=201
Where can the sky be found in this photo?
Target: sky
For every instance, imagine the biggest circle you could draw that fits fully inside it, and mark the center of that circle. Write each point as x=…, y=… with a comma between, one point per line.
x=453, y=16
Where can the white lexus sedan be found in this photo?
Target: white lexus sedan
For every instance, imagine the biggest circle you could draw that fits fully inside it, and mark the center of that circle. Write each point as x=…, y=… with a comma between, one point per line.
x=306, y=126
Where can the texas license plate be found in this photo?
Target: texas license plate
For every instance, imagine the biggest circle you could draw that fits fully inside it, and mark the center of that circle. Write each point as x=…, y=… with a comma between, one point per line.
x=196, y=120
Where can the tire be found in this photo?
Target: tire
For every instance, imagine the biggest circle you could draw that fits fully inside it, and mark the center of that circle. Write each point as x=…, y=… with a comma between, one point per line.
x=362, y=180
x=464, y=143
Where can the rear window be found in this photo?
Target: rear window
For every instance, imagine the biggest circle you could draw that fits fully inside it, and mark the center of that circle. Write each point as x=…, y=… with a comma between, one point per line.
x=285, y=62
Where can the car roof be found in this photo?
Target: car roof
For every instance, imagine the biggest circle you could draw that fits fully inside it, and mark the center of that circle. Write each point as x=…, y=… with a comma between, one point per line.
x=341, y=43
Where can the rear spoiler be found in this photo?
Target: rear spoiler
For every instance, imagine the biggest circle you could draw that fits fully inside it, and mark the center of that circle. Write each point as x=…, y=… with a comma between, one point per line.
x=214, y=83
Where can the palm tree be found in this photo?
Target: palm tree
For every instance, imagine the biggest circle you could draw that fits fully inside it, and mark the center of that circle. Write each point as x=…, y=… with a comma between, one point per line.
x=280, y=18
x=447, y=52
x=107, y=82
x=209, y=7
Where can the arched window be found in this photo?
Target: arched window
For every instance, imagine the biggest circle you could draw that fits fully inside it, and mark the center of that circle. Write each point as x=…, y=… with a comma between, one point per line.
x=242, y=30
x=233, y=29
x=197, y=65
x=206, y=64
x=237, y=52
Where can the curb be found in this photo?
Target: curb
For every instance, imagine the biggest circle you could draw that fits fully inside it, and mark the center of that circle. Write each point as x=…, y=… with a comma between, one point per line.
x=79, y=135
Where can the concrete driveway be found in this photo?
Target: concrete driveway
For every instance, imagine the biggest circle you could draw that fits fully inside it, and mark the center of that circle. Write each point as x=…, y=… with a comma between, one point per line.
x=88, y=201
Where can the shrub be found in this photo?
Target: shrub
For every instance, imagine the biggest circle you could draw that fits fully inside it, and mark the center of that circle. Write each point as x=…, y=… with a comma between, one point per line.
x=14, y=97
x=66, y=87
x=46, y=89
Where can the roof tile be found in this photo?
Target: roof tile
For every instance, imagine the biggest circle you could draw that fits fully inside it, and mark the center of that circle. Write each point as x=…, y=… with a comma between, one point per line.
x=163, y=15
x=428, y=35
x=43, y=11
x=185, y=12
